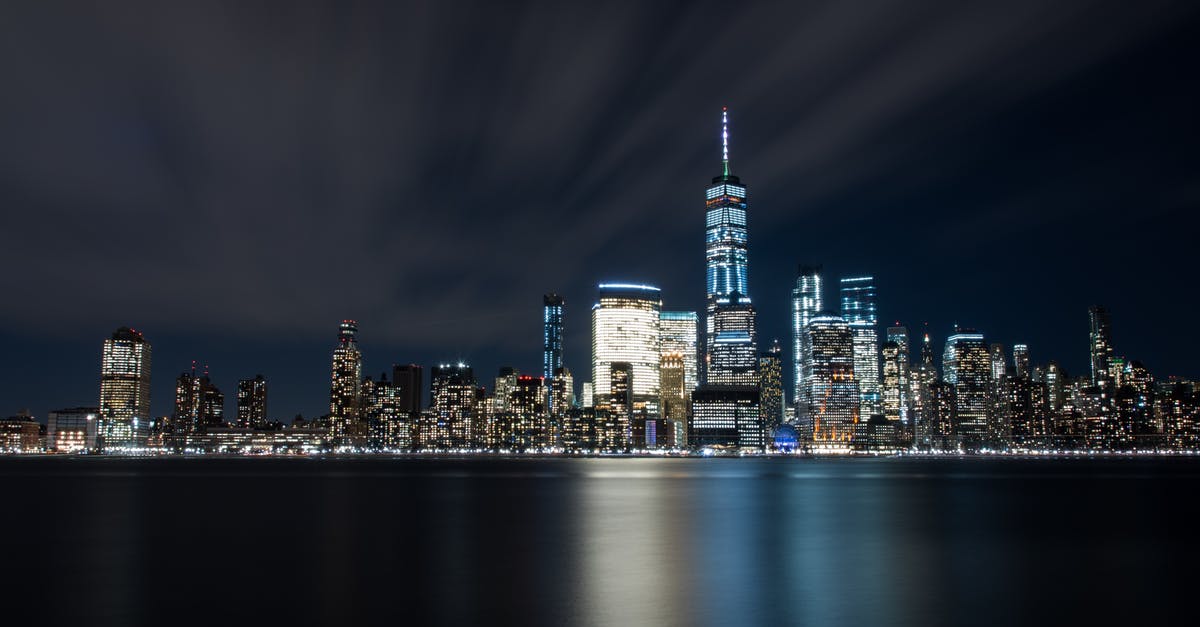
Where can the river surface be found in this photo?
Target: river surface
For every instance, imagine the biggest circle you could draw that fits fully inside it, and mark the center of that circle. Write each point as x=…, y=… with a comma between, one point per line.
x=101, y=541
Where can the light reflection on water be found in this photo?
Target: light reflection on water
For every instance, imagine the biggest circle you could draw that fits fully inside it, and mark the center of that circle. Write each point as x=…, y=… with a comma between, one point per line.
x=600, y=541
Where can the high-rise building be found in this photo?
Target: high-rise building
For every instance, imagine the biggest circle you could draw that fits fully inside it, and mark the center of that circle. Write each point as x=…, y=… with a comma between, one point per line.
x=895, y=384
x=345, y=386
x=807, y=303
x=124, y=389
x=388, y=426
x=730, y=329
x=506, y=381
x=252, y=402
x=454, y=406
x=859, y=311
x=199, y=404
x=923, y=377
x=673, y=391
x=552, y=334
x=966, y=364
x=727, y=416
x=833, y=394
x=678, y=333
x=409, y=381
x=562, y=394
x=770, y=387
x=732, y=353
x=588, y=395
x=999, y=363
x=1020, y=355
x=525, y=425
x=625, y=329
x=1101, y=344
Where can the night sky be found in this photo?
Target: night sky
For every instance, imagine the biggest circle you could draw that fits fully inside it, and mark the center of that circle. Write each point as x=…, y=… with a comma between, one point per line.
x=233, y=180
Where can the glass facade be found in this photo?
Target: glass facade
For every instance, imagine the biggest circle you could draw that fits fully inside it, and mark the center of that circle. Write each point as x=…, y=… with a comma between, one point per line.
x=833, y=393
x=625, y=329
x=806, y=304
x=859, y=311
x=967, y=365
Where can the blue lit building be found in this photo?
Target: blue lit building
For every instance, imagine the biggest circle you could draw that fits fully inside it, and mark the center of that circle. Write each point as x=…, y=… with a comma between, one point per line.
x=807, y=303
x=859, y=311
x=552, y=334
x=731, y=348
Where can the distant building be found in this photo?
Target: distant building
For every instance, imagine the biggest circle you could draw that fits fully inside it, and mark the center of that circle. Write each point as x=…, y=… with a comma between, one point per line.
x=625, y=329
x=1101, y=344
x=833, y=394
x=388, y=427
x=726, y=416
x=252, y=402
x=199, y=404
x=894, y=386
x=20, y=434
x=74, y=429
x=807, y=303
x=409, y=382
x=679, y=335
x=1020, y=353
x=552, y=334
x=770, y=387
x=345, y=386
x=124, y=389
x=966, y=364
x=859, y=311
x=454, y=406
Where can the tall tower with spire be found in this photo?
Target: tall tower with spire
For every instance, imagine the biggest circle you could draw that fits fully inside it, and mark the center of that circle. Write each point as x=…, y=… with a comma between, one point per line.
x=731, y=354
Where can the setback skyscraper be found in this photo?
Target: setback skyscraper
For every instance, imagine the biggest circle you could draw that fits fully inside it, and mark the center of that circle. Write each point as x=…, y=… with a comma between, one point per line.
x=730, y=328
x=124, y=388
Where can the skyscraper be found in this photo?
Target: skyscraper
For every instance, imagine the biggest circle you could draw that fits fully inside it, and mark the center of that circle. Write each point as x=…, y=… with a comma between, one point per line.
x=770, y=387
x=678, y=367
x=345, y=384
x=678, y=331
x=625, y=329
x=1020, y=354
x=1101, y=344
x=452, y=400
x=199, y=404
x=806, y=304
x=409, y=380
x=966, y=364
x=124, y=388
x=552, y=334
x=732, y=353
x=388, y=427
x=833, y=394
x=895, y=383
x=998, y=359
x=859, y=311
x=252, y=402
x=730, y=327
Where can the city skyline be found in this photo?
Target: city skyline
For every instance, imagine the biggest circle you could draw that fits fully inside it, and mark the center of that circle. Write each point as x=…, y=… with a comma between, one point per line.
x=964, y=211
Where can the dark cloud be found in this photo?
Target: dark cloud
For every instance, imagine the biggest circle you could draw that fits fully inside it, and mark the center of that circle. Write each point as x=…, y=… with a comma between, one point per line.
x=261, y=171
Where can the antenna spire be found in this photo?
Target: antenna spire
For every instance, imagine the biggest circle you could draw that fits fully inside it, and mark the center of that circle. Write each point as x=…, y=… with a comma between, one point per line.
x=725, y=139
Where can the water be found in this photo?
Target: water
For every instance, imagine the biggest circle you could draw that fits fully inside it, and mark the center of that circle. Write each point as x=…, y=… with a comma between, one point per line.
x=598, y=541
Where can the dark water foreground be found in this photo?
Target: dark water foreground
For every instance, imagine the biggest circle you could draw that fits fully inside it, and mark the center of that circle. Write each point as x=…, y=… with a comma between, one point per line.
x=599, y=541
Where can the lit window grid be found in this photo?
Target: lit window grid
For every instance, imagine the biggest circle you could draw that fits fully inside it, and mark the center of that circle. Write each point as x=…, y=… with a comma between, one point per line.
x=626, y=330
